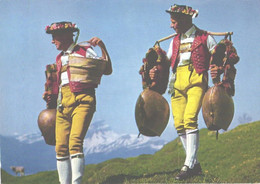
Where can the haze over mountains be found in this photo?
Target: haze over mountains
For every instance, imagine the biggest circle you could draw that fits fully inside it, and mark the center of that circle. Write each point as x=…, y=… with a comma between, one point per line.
x=100, y=144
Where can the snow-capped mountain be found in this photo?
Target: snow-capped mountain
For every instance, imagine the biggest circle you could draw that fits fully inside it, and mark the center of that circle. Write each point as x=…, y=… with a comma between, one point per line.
x=30, y=138
x=100, y=144
x=101, y=138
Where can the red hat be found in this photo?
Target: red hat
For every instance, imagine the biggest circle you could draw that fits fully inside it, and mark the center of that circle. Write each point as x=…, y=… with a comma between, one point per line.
x=61, y=27
x=183, y=9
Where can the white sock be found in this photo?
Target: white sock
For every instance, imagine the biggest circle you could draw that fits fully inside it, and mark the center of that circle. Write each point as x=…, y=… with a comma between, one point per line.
x=64, y=170
x=183, y=140
x=192, y=146
x=77, y=167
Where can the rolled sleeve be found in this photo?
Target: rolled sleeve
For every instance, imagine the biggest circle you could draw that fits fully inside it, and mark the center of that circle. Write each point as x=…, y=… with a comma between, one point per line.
x=211, y=43
x=169, y=53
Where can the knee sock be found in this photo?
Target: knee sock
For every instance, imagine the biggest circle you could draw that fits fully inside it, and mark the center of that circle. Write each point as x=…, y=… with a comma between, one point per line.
x=192, y=145
x=77, y=167
x=183, y=140
x=64, y=169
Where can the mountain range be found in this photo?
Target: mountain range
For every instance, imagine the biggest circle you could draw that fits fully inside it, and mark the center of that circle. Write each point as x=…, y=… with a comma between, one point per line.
x=100, y=144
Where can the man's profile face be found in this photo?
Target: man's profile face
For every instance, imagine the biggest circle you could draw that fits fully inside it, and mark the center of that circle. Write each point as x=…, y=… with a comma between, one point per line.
x=61, y=40
x=179, y=23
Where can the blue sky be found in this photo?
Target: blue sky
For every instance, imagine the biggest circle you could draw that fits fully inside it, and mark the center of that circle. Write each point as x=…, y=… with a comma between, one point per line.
x=129, y=29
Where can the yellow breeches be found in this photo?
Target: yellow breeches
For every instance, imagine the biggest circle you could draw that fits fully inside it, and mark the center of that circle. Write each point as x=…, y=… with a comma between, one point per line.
x=189, y=89
x=73, y=122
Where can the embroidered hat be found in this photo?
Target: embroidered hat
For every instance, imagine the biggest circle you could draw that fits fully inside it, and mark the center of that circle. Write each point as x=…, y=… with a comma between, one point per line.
x=183, y=9
x=61, y=27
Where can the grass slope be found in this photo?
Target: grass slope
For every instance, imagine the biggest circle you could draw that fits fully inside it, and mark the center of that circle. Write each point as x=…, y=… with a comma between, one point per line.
x=233, y=158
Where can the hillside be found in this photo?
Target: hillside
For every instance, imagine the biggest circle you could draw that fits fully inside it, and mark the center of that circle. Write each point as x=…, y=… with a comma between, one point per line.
x=233, y=158
x=101, y=143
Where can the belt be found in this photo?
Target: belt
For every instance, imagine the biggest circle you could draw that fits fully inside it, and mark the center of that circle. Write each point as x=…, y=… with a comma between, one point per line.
x=191, y=67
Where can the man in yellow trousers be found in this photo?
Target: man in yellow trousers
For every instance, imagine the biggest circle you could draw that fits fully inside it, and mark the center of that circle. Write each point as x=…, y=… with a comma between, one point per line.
x=189, y=53
x=76, y=101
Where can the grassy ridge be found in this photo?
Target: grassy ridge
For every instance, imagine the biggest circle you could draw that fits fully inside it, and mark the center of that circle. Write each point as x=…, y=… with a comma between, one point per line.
x=233, y=158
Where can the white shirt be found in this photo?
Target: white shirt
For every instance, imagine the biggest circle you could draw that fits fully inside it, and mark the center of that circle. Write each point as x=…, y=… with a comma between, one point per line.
x=90, y=53
x=188, y=37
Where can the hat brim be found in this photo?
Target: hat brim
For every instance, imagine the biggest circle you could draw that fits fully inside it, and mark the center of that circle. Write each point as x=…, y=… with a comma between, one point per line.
x=62, y=30
x=168, y=11
x=178, y=13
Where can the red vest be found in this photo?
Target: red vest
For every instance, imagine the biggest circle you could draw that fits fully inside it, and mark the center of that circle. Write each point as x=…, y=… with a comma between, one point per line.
x=74, y=86
x=200, y=54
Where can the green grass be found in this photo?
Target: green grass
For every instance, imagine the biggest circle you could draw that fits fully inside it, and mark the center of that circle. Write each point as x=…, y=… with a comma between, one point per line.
x=233, y=158
x=48, y=177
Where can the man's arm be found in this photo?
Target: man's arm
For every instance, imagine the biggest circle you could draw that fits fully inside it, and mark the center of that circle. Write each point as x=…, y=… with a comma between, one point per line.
x=97, y=41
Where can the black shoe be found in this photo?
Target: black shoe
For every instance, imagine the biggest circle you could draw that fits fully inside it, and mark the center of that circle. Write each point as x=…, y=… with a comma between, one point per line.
x=185, y=173
x=197, y=170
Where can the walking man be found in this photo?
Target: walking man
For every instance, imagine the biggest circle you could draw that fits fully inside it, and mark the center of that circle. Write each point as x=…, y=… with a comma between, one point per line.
x=189, y=53
x=76, y=100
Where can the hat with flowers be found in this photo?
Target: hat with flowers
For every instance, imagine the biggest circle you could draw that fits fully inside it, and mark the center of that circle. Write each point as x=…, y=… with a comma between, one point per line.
x=61, y=27
x=183, y=9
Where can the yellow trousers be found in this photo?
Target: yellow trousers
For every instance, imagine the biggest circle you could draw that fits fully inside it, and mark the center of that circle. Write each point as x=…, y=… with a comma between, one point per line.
x=189, y=89
x=73, y=121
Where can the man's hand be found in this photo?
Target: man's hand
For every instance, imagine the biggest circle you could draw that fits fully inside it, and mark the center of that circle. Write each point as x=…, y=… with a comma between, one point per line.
x=96, y=41
x=51, y=100
x=153, y=73
x=215, y=71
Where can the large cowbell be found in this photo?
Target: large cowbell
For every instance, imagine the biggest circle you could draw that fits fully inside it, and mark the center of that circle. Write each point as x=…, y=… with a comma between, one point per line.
x=217, y=108
x=46, y=123
x=151, y=113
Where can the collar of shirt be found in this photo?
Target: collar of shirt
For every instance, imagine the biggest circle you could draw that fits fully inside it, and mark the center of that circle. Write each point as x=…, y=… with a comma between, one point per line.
x=189, y=36
x=69, y=50
x=65, y=55
x=190, y=32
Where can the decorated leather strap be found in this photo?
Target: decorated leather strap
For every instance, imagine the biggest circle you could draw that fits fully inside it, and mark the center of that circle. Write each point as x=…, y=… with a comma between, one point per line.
x=51, y=86
x=155, y=57
x=224, y=57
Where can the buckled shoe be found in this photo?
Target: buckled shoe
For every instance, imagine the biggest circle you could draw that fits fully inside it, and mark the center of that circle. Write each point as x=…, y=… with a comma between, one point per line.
x=185, y=173
x=197, y=170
